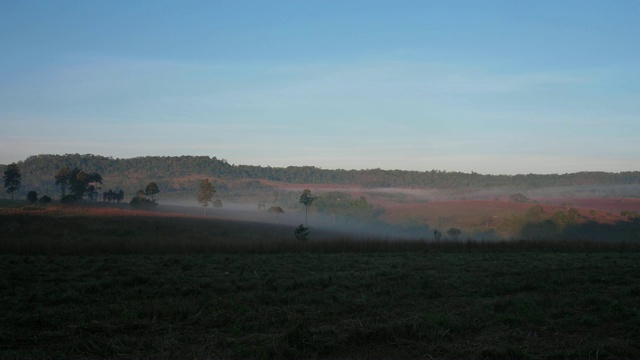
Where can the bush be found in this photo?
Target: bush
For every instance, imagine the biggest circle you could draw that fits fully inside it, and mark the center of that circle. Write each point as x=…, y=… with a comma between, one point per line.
x=301, y=232
x=69, y=199
x=141, y=203
x=454, y=232
x=44, y=200
x=276, y=210
x=32, y=197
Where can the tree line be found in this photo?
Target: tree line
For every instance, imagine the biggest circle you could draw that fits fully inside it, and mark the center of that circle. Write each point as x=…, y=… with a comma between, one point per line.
x=165, y=167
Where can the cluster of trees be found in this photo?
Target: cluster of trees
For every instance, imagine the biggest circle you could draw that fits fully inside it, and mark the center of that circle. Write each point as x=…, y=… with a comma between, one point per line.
x=536, y=224
x=78, y=184
x=75, y=185
x=140, y=201
x=115, y=196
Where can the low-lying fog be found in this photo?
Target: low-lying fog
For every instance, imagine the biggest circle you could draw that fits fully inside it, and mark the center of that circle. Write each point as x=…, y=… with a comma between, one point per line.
x=292, y=218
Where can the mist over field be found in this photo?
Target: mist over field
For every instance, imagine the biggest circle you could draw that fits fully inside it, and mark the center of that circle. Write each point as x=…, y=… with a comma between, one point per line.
x=323, y=226
x=561, y=212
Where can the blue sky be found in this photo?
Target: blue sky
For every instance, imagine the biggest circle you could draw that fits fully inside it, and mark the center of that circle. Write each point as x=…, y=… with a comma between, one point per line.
x=499, y=87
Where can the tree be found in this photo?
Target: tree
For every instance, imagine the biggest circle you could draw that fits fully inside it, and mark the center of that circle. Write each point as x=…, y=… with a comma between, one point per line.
x=120, y=196
x=62, y=180
x=306, y=199
x=92, y=190
x=32, y=197
x=205, y=194
x=12, y=179
x=152, y=189
x=109, y=196
x=79, y=182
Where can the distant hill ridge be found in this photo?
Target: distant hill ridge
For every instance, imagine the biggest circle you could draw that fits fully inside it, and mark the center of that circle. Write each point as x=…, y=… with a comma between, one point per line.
x=38, y=173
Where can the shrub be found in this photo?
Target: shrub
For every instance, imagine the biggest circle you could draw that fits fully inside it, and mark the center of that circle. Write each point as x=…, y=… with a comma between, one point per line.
x=276, y=210
x=454, y=232
x=44, y=200
x=32, y=197
x=69, y=199
x=301, y=232
x=141, y=203
x=521, y=198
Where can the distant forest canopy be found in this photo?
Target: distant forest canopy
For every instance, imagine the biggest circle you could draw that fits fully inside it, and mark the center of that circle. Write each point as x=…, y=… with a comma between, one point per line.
x=38, y=174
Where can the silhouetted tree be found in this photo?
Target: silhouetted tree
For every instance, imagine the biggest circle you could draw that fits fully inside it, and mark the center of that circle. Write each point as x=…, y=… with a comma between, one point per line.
x=12, y=179
x=109, y=196
x=62, y=180
x=120, y=196
x=205, y=194
x=92, y=190
x=306, y=199
x=152, y=189
x=78, y=181
x=32, y=197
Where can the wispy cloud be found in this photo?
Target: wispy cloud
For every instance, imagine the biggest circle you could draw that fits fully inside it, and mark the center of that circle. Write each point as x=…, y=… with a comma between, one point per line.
x=390, y=114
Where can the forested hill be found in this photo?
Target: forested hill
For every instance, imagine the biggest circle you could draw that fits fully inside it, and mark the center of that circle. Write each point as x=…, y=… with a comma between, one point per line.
x=39, y=171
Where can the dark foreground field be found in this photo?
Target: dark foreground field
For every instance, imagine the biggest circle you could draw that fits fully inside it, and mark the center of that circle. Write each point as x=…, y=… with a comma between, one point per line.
x=337, y=300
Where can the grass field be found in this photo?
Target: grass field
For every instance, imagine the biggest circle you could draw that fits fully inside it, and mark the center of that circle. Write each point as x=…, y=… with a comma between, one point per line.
x=97, y=284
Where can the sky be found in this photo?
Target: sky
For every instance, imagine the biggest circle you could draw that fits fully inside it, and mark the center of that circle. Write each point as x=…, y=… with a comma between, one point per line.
x=494, y=87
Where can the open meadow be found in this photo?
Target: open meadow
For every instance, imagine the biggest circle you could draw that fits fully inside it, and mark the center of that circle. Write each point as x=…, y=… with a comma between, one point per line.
x=86, y=283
